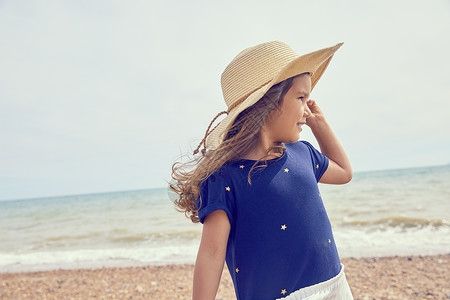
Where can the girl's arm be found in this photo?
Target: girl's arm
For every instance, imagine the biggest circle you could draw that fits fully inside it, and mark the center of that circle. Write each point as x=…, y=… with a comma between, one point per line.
x=339, y=169
x=211, y=256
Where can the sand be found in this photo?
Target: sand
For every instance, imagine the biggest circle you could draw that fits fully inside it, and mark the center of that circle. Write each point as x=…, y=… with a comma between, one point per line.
x=414, y=277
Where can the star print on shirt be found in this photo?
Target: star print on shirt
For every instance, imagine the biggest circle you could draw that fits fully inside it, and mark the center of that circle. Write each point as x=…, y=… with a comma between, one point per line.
x=228, y=188
x=283, y=291
x=286, y=170
x=283, y=227
x=241, y=166
x=317, y=166
x=237, y=270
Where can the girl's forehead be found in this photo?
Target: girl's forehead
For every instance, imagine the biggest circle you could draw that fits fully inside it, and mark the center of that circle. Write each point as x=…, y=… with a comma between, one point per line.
x=302, y=84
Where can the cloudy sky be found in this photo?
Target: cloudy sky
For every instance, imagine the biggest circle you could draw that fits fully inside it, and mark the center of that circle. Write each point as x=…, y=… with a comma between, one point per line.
x=99, y=96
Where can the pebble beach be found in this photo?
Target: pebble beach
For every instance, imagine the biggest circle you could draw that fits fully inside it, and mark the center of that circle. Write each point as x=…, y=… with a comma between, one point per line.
x=406, y=277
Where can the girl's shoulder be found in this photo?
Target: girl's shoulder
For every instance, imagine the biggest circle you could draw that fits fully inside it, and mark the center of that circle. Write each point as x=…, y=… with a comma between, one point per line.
x=232, y=172
x=224, y=171
x=299, y=146
x=305, y=149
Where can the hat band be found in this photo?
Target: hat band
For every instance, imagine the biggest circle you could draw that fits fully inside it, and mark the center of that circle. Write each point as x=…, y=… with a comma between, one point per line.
x=242, y=99
x=203, y=141
x=230, y=108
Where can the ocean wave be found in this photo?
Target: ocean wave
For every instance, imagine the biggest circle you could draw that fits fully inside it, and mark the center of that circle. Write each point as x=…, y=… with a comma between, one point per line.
x=112, y=238
x=397, y=221
x=88, y=258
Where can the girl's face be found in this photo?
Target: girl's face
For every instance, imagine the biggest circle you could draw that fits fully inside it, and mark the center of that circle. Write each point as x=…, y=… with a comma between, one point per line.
x=285, y=125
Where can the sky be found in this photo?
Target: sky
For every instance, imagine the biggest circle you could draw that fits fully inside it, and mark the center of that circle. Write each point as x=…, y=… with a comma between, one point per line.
x=102, y=96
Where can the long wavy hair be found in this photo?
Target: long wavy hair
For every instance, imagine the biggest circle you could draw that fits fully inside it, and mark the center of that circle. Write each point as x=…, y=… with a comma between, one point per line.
x=240, y=140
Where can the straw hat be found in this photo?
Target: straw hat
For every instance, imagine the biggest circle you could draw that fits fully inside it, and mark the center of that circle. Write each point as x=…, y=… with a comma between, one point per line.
x=253, y=72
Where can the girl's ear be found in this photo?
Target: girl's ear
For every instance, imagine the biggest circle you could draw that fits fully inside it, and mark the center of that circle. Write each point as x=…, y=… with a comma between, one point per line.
x=263, y=127
x=268, y=120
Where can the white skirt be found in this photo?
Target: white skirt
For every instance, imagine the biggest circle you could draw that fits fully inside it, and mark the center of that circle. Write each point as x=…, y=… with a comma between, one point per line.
x=334, y=288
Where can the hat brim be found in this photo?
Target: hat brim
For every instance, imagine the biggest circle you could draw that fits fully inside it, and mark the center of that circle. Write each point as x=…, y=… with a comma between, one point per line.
x=314, y=63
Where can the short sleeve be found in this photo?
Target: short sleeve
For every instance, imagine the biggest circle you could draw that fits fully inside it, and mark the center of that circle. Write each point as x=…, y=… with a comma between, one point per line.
x=216, y=194
x=320, y=161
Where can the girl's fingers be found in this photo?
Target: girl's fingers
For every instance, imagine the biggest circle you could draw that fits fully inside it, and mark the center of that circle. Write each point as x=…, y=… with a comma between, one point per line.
x=314, y=108
x=312, y=104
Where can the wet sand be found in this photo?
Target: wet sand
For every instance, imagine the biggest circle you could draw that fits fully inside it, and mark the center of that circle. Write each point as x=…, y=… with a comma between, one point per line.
x=413, y=277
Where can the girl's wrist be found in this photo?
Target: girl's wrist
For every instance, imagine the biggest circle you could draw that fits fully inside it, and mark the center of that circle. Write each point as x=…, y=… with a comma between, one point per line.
x=318, y=123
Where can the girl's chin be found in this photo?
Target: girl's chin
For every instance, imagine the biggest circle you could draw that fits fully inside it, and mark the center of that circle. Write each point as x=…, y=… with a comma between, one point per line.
x=292, y=139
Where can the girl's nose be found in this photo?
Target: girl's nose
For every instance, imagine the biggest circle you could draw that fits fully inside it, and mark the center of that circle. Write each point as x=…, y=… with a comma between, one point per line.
x=307, y=111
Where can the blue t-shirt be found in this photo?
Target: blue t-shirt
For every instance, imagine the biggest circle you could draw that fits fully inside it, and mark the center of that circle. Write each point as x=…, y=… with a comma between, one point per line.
x=280, y=238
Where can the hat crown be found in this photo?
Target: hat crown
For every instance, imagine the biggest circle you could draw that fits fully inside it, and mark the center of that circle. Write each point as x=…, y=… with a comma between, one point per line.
x=254, y=67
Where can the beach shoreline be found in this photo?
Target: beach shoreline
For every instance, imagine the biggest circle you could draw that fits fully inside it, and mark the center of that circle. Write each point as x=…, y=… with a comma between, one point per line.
x=393, y=277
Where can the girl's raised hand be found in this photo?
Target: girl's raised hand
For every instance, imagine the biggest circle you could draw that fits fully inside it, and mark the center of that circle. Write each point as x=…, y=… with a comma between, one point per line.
x=339, y=170
x=316, y=114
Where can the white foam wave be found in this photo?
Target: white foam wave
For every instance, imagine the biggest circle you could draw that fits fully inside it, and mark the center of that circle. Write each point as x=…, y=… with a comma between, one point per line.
x=95, y=258
x=391, y=241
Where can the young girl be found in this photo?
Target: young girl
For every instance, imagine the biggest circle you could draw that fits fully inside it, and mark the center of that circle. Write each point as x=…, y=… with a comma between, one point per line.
x=254, y=185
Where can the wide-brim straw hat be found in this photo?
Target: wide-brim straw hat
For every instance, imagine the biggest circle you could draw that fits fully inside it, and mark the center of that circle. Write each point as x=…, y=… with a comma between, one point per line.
x=254, y=71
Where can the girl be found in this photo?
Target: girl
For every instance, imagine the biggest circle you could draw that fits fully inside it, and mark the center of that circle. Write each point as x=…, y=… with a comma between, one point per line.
x=254, y=186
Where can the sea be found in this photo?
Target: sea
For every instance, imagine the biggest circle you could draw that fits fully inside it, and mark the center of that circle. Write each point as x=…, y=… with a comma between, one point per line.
x=379, y=213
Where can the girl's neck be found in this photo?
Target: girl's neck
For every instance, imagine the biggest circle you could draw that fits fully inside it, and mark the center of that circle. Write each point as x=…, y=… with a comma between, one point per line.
x=260, y=151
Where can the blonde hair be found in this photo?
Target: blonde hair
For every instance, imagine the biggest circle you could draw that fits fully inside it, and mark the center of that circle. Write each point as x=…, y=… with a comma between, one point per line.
x=240, y=140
